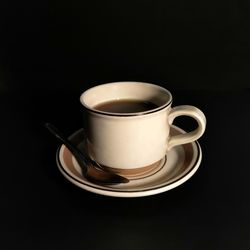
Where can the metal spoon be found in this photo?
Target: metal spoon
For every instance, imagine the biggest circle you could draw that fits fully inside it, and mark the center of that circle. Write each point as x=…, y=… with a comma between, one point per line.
x=90, y=169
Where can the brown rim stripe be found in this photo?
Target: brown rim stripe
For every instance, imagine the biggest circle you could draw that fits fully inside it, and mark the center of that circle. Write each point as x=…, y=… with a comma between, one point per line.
x=126, y=114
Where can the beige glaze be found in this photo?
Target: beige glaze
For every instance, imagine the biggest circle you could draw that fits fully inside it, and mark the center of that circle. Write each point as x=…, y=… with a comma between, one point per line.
x=139, y=139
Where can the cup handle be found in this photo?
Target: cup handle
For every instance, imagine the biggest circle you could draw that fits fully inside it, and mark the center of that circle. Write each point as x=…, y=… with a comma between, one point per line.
x=193, y=112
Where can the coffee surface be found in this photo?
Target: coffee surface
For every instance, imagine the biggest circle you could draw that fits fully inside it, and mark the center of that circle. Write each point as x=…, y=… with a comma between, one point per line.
x=125, y=106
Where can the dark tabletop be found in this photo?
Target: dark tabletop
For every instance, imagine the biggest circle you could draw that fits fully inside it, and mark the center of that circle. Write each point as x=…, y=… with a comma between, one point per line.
x=51, y=53
x=41, y=209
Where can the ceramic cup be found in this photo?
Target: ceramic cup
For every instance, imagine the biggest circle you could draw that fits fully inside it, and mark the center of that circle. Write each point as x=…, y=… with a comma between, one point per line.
x=132, y=142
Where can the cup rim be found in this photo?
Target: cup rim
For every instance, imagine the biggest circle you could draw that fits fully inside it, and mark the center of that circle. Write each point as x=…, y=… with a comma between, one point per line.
x=115, y=114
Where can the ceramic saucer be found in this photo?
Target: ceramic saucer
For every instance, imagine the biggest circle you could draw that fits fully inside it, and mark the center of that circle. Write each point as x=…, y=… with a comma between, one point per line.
x=179, y=165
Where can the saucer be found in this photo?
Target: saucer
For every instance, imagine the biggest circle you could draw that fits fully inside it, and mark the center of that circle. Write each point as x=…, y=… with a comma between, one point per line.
x=180, y=163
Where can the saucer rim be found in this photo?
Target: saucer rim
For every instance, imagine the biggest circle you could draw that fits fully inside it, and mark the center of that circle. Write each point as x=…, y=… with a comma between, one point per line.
x=111, y=191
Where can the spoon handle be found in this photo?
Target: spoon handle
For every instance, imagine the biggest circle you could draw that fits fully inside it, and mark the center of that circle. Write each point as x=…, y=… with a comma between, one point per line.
x=67, y=142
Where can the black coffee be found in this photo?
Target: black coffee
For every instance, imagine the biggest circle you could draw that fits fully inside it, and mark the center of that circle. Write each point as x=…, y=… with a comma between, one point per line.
x=126, y=106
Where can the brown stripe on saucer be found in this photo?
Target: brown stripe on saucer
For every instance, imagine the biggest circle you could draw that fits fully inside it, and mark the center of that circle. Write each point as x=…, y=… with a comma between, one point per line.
x=136, y=173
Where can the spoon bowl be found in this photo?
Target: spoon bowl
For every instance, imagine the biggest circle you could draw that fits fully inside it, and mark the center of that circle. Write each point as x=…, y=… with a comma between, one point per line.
x=90, y=169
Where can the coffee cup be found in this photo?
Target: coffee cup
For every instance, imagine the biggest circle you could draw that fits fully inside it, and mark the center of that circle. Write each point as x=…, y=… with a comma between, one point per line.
x=127, y=124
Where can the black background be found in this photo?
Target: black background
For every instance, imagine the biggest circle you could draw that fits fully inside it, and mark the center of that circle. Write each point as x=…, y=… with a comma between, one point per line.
x=52, y=51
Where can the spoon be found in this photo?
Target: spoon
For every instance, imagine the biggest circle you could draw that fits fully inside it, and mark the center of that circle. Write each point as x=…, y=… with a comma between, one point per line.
x=90, y=169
